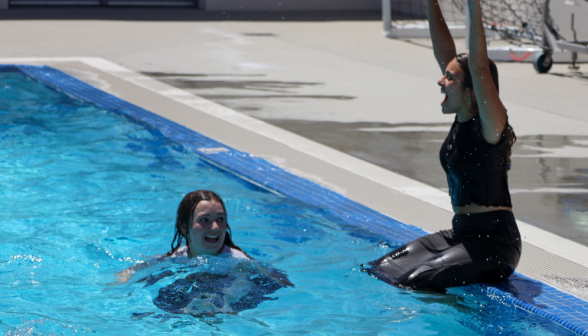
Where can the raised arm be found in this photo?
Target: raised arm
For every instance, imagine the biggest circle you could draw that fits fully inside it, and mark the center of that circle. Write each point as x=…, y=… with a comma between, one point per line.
x=443, y=44
x=492, y=112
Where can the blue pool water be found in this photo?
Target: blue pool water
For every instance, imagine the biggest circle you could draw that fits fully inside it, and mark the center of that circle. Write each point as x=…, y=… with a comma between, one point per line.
x=87, y=193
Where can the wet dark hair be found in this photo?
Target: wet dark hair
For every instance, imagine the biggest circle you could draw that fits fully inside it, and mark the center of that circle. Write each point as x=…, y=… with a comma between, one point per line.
x=463, y=62
x=185, y=215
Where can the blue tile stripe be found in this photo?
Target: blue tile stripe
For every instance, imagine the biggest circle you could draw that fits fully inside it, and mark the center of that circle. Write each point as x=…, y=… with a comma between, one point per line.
x=562, y=308
x=580, y=330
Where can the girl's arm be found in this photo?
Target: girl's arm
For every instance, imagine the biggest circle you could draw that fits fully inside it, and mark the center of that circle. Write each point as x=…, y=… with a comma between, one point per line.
x=126, y=274
x=443, y=44
x=492, y=112
x=273, y=274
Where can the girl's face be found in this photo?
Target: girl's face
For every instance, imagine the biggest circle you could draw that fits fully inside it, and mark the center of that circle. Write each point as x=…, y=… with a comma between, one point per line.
x=208, y=229
x=452, y=86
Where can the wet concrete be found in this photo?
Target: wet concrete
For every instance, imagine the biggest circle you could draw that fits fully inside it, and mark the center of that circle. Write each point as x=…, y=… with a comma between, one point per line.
x=194, y=82
x=247, y=93
x=548, y=181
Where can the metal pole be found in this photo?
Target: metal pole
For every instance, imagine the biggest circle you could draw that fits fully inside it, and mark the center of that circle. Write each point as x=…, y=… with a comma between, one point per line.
x=574, y=54
x=549, y=42
x=387, y=16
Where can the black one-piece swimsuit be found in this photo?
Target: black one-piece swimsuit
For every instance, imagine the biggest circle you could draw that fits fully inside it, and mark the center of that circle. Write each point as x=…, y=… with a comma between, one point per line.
x=483, y=247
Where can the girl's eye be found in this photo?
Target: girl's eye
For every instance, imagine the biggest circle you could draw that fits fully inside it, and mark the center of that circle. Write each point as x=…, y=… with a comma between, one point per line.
x=204, y=220
x=221, y=219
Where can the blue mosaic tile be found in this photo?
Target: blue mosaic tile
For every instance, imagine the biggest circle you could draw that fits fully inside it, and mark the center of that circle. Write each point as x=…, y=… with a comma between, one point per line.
x=525, y=293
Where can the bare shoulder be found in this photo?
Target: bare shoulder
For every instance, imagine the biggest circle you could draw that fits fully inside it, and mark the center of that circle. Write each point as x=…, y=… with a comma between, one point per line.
x=181, y=252
x=234, y=253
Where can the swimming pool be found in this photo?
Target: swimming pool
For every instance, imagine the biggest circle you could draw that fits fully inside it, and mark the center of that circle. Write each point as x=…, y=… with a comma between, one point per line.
x=88, y=192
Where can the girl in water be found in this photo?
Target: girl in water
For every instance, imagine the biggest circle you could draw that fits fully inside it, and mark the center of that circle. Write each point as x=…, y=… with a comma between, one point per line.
x=484, y=244
x=202, y=222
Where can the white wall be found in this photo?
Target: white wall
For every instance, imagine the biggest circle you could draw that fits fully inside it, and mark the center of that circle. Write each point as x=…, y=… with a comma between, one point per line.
x=260, y=5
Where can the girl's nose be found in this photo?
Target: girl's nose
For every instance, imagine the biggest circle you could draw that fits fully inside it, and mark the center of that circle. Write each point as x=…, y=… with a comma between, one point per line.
x=214, y=225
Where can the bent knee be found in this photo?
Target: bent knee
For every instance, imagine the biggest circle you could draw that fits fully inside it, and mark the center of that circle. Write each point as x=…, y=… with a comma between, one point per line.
x=418, y=277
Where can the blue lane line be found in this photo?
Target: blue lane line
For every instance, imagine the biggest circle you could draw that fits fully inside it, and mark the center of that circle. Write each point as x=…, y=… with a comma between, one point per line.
x=562, y=308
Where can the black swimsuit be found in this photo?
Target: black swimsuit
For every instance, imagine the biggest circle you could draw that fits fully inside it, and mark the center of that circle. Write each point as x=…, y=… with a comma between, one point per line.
x=476, y=170
x=483, y=247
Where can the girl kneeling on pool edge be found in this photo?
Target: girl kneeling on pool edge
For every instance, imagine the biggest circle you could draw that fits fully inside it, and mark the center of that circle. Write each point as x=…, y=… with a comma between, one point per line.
x=484, y=244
